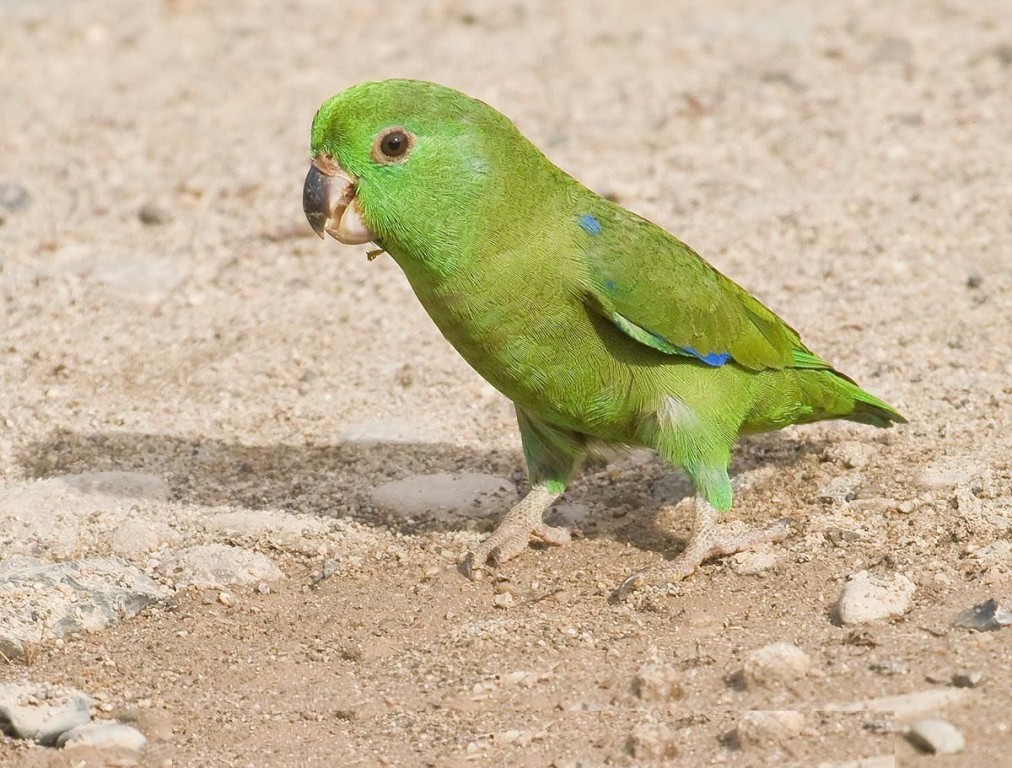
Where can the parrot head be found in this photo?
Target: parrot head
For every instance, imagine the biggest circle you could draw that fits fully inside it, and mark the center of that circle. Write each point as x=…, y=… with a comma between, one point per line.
x=403, y=162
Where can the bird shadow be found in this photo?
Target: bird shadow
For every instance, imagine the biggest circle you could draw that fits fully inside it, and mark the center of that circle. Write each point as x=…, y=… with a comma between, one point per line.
x=336, y=480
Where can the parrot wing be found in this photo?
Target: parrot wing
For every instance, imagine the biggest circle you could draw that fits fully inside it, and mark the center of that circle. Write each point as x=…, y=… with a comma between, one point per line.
x=661, y=293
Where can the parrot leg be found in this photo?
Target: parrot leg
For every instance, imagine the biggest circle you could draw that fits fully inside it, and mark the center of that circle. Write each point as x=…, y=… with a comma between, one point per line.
x=552, y=455
x=709, y=539
x=522, y=524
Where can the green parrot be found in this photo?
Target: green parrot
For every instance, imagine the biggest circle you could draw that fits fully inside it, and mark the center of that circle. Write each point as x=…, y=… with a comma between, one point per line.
x=601, y=327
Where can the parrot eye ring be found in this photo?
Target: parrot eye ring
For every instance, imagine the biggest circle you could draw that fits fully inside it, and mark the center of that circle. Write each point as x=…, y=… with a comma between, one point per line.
x=392, y=145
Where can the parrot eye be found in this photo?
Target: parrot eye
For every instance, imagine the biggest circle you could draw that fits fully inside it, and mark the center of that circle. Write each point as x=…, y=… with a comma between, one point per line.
x=392, y=145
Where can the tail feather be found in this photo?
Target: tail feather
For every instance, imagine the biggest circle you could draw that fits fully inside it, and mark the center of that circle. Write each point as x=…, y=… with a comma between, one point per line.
x=868, y=409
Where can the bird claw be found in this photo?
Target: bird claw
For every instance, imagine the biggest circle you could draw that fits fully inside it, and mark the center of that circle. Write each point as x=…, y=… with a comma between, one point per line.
x=509, y=540
x=712, y=542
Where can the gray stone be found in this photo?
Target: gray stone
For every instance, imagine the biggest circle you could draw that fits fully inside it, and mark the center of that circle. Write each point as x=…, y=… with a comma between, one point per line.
x=42, y=712
x=460, y=499
x=47, y=601
x=775, y=664
x=936, y=736
x=13, y=196
x=218, y=565
x=985, y=617
x=103, y=734
x=868, y=598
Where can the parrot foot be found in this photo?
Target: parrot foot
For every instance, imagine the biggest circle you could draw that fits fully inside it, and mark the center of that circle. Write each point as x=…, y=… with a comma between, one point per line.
x=521, y=524
x=710, y=539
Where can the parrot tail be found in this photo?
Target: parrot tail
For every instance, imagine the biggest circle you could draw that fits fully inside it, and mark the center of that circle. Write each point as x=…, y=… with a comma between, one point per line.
x=868, y=409
x=838, y=396
x=801, y=396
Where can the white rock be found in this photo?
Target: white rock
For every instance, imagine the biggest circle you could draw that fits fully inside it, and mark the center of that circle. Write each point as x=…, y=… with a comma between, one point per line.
x=936, y=736
x=657, y=682
x=652, y=741
x=870, y=598
x=50, y=516
x=42, y=712
x=292, y=533
x=137, y=537
x=50, y=600
x=769, y=727
x=103, y=734
x=456, y=498
x=218, y=565
x=754, y=561
x=776, y=664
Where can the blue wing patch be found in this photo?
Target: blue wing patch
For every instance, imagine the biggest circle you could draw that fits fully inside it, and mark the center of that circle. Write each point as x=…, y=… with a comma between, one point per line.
x=589, y=224
x=714, y=359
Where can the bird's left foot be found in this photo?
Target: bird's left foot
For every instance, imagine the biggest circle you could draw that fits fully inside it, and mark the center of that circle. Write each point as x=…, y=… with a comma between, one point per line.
x=710, y=540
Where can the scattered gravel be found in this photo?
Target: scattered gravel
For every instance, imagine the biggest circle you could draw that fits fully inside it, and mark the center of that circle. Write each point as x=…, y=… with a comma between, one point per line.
x=218, y=565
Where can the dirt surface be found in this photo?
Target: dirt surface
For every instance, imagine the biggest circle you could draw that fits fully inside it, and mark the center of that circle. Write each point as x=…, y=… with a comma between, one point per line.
x=166, y=309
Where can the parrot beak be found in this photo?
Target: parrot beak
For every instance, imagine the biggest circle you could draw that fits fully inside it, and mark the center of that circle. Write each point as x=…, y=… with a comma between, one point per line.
x=328, y=200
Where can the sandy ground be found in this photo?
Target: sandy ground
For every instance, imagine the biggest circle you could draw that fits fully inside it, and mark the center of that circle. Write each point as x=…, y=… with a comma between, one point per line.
x=165, y=308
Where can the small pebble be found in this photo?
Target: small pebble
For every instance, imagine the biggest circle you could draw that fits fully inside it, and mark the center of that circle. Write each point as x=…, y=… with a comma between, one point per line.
x=936, y=736
x=152, y=214
x=776, y=664
x=657, y=682
x=985, y=617
x=652, y=741
x=890, y=667
x=968, y=679
x=503, y=600
x=870, y=598
x=41, y=712
x=13, y=197
x=105, y=734
x=765, y=728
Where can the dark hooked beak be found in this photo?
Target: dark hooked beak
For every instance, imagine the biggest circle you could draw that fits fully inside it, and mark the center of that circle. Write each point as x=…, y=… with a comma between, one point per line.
x=315, y=201
x=328, y=200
